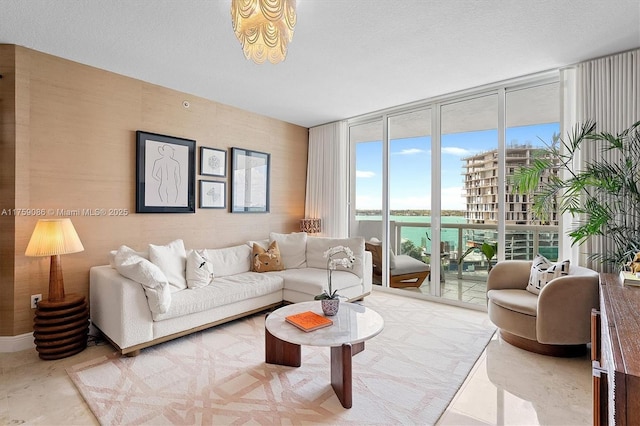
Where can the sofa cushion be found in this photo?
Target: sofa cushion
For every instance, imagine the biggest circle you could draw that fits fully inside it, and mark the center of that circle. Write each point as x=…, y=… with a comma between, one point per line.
x=199, y=269
x=266, y=260
x=292, y=248
x=223, y=291
x=317, y=246
x=521, y=301
x=314, y=281
x=154, y=282
x=172, y=260
x=230, y=260
x=543, y=271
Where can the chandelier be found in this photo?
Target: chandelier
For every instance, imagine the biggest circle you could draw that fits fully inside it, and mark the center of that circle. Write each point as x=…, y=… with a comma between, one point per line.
x=264, y=28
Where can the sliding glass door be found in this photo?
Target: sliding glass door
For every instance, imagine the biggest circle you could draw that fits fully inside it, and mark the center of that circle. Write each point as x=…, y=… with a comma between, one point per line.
x=431, y=185
x=469, y=195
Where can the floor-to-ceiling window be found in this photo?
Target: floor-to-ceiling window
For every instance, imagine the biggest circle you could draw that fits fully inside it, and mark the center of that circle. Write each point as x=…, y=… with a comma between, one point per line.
x=532, y=124
x=468, y=194
x=433, y=182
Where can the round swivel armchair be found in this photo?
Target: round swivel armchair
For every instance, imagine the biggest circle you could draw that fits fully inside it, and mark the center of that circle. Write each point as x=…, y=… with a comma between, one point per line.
x=556, y=322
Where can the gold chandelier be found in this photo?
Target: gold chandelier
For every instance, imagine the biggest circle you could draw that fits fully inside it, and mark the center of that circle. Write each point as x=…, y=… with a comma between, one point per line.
x=264, y=28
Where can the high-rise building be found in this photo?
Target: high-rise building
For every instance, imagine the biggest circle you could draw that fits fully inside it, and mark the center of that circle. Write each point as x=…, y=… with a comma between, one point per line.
x=482, y=200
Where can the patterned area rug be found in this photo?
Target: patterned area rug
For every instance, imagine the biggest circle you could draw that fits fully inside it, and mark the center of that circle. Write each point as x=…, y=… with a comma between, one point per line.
x=408, y=374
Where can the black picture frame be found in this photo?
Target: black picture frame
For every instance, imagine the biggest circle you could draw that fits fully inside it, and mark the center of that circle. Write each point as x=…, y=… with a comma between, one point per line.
x=213, y=194
x=165, y=173
x=213, y=162
x=250, y=172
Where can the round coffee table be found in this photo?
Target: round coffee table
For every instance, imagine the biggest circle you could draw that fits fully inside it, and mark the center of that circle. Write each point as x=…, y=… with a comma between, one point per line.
x=352, y=325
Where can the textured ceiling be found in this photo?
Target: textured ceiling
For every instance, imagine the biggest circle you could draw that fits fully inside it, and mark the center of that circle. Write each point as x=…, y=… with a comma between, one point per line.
x=347, y=57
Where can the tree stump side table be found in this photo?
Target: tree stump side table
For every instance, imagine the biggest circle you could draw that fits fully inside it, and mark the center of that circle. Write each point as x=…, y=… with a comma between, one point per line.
x=61, y=327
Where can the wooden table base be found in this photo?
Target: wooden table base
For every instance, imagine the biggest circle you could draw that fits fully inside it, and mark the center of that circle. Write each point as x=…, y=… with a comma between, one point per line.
x=290, y=354
x=61, y=328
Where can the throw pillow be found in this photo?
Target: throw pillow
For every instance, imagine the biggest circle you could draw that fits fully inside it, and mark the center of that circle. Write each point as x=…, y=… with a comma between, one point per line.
x=543, y=271
x=292, y=248
x=154, y=282
x=172, y=260
x=267, y=260
x=199, y=269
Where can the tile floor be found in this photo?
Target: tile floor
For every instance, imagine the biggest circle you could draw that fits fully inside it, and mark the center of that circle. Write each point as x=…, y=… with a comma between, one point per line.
x=472, y=291
x=506, y=386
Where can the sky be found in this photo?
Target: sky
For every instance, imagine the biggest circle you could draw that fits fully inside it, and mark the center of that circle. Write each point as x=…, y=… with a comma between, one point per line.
x=410, y=166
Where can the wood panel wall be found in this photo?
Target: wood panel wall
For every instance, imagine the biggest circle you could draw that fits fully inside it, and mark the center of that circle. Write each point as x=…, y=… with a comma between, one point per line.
x=69, y=143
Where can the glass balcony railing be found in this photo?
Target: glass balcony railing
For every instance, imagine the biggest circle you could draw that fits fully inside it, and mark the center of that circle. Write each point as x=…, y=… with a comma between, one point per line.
x=463, y=266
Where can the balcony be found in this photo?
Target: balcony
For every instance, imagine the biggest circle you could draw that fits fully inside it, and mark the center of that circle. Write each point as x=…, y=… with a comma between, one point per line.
x=463, y=277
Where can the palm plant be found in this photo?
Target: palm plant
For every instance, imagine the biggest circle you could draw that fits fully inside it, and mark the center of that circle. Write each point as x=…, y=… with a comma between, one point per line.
x=603, y=197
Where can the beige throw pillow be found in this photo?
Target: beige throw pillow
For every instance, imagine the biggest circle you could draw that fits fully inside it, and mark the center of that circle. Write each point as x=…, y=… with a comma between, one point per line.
x=267, y=260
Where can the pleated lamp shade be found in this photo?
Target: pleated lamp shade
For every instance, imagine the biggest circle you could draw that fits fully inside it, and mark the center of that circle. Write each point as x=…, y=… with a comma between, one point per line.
x=52, y=237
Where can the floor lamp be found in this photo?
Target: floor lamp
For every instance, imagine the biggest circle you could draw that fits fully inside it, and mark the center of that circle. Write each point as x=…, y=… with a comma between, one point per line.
x=61, y=323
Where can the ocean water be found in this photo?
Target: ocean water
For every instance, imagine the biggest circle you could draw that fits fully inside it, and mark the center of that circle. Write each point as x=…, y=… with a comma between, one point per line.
x=419, y=236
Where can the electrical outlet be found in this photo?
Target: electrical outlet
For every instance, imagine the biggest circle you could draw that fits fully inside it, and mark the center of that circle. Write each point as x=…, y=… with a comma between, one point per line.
x=35, y=298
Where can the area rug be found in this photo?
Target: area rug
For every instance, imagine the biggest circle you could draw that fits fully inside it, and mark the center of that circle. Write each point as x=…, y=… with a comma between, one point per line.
x=408, y=374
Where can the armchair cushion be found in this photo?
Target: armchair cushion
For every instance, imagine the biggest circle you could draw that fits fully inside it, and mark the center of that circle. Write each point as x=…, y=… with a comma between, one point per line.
x=543, y=271
x=516, y=300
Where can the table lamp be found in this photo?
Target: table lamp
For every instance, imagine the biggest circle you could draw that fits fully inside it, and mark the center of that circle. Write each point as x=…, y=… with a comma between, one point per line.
x=310, y=226
x=53, y=237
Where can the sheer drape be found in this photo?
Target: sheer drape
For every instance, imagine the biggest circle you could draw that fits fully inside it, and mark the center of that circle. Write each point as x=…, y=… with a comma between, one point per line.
x=327, y=178
x=607, y=92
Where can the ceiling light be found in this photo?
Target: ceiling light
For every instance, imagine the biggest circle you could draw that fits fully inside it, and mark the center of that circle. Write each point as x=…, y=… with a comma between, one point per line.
x=264, y=28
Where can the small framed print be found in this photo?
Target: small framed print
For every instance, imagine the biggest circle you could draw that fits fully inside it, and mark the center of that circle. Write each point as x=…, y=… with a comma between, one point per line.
x=213, y=162
x=213, y=194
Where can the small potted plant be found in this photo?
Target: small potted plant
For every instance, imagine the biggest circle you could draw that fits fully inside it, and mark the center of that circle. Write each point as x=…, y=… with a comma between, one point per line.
x=330, y=299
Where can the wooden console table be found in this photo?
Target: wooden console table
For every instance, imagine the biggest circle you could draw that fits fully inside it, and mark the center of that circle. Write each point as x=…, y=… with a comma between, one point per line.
x=615, y=354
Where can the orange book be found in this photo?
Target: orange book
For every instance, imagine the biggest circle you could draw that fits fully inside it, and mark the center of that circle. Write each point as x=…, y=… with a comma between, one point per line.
x=308, y=321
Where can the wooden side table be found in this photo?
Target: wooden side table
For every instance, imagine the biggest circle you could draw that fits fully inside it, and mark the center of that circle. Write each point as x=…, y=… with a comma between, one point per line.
x=61, y=327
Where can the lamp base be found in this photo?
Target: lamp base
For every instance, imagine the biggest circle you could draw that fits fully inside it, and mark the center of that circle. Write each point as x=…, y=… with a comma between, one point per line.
x=61, y=327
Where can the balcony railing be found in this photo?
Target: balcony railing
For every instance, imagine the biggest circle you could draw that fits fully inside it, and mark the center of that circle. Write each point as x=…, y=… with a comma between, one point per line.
x=521, y=242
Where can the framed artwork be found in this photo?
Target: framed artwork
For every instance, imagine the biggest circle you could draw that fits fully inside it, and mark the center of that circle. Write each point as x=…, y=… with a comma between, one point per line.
x=165, y=174
x=213, y=162
x=249, y=181
x=213, y=194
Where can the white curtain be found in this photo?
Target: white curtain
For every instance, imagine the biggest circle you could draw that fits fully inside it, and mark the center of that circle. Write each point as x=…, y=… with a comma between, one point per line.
x=608, y=93
x=327, y=178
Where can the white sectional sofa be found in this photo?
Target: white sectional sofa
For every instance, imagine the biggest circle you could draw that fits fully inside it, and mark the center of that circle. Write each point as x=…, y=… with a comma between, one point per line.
x=134, y=314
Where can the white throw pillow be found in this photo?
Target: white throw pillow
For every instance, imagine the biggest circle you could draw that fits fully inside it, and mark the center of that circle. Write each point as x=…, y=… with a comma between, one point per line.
x=199, y=269
x=172, y=260
x=112, y=257
x=292, y=248
x=130, y=264
x=317, y=246
x=543, y=271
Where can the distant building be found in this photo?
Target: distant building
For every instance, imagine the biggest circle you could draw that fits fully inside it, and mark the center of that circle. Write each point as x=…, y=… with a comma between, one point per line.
x=481, y=188
x=481, y=197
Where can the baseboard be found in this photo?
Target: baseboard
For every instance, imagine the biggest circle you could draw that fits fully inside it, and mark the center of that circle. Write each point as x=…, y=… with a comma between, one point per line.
x=16, y=343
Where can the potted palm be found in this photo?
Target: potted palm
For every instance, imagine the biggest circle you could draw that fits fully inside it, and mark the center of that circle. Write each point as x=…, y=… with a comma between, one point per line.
x=488, y=250
x=603, y=196
x=330, y=298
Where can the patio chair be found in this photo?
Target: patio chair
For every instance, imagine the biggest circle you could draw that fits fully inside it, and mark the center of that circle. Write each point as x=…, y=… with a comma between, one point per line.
x=404, y=271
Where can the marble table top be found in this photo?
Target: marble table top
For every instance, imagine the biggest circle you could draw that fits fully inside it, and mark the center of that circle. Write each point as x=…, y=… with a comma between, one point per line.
x=352, y=324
